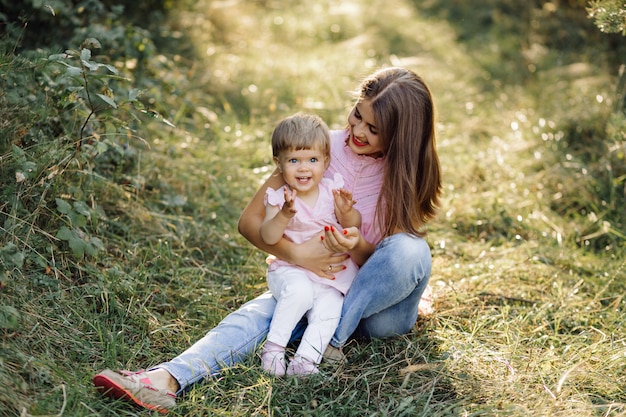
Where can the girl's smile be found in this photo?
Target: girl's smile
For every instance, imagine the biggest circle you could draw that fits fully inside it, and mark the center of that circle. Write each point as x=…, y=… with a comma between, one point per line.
x=303, y=180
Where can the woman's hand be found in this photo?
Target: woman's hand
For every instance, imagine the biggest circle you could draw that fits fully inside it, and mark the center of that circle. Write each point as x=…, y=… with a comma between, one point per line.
x=348, y=240
x=340, y=241
x=314, y=256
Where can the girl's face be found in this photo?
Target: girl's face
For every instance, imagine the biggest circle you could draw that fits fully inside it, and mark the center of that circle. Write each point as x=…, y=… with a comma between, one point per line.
x=363, y=138
x=302, y=169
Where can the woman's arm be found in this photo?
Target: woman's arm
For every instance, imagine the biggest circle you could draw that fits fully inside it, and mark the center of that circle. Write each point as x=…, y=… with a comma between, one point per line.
x=310, y=255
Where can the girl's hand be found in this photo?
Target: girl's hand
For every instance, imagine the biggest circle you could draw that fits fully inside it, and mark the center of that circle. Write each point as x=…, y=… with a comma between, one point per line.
x=290, y=196
x=313, y=256
x=343, y=201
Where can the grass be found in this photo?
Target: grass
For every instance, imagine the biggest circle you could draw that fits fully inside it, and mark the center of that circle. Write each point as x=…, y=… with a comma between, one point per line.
x=529, y=304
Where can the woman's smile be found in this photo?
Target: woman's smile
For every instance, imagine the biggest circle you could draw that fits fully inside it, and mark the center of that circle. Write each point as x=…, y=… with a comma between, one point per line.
x=358, y=142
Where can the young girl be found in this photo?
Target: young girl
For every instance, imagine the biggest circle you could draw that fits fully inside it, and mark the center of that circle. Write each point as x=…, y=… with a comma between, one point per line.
x=388, y=160
x=298, y=210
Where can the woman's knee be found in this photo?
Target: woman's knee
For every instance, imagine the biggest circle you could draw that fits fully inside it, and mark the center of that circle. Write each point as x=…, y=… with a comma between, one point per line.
x=411, y=247
x=381, y=326
x=403, y=250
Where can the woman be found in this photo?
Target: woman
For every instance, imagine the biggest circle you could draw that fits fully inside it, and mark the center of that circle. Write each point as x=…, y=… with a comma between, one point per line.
x=389, y=162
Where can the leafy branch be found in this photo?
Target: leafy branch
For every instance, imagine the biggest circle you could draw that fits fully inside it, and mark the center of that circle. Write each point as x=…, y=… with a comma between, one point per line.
x=82, y=77
x=608, y=15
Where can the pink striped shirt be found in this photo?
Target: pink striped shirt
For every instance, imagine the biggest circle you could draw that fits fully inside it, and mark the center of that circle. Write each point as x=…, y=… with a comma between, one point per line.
x=363, y=177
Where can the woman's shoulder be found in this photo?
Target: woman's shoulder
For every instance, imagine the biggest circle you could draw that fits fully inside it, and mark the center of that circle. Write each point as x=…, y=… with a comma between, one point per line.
x=338, y=136
x=338, y=148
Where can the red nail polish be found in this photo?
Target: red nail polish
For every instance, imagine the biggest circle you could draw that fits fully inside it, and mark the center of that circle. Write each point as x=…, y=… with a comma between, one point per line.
x=344, y=267
x=326, y=228
x=322, y=237
x=345, y=232
x=333, y=278
x=332, y=229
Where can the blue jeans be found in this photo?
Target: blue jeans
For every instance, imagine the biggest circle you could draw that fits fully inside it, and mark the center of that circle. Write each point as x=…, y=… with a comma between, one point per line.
x=382, y=302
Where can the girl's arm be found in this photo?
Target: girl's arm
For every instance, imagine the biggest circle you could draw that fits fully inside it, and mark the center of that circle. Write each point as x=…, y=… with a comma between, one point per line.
x=346, y=214
x=349, y=239
x=276, y=219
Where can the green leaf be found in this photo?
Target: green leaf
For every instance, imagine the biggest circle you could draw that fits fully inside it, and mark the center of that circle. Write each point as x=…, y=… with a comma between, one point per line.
x=9, y=317
x=63, y=206
x=73, y=71
x=85, y=54
x=78, y=246
x=89, y=64
x=108, y=100
x=78, y=220
x=57, y=57
x=92, y=42
x=17, y=152
x=64, y=233
x=11, y=255
x=82, y=208
x=111, y=68
x=29, y=168
x=97, y=243
x=133, y=94
x=90, y=249
x=102, y=147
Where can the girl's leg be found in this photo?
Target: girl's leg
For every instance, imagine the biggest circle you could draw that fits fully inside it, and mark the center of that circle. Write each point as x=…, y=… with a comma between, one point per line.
x=384, y=297
x=322, y=318
x=294, y=292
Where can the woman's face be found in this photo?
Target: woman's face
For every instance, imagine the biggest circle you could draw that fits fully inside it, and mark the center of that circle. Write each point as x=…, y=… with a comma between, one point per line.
x=363, y=138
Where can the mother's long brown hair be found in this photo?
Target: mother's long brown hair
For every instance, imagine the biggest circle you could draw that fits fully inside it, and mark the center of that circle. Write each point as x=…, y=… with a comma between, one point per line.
x=405, y=118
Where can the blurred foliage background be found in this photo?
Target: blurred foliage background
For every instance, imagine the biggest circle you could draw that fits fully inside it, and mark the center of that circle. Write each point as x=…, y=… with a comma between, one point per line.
x=132, y=133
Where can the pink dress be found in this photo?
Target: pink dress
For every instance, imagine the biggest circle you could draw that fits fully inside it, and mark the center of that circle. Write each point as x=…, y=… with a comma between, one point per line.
x=309, y=222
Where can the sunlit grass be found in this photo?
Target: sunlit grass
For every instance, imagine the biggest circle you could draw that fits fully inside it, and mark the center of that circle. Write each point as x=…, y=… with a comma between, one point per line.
x=529, y=313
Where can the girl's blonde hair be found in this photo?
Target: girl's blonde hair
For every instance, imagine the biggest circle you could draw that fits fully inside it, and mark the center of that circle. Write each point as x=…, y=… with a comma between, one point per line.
x=405, y=119
x=301, y=131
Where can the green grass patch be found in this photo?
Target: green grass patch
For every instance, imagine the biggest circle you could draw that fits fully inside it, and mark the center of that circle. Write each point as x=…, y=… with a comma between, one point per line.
x=118, y=239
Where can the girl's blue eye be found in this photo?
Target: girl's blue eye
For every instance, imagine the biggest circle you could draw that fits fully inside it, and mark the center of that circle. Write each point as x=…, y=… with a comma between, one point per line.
x=313, y=159
x=293, y=161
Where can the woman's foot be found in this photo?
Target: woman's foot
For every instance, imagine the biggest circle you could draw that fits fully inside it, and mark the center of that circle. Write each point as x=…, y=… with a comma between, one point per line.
x=301, y=366
x=273, y=359
x=334, y=356
x=135, y=387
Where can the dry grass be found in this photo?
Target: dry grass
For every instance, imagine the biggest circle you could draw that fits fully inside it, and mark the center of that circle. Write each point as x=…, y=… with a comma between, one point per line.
x=529, y=309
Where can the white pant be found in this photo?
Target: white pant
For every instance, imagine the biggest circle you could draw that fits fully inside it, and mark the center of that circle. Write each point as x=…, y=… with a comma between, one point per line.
x=298, y=296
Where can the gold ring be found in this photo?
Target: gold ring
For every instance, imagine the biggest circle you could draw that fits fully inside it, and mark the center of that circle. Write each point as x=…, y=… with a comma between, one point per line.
x=330, y=268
